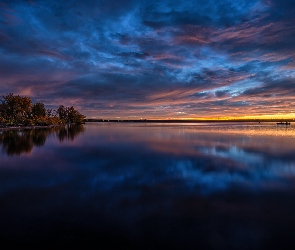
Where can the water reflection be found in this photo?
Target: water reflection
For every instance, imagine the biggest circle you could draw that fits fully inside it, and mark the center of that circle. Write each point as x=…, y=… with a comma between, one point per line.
x=16, y=142
x=204, y=159
x=153, y=186
x=69, y=132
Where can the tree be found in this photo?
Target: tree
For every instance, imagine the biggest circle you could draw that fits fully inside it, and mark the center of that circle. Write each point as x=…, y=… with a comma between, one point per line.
x=38, y=109
x=74, y=116
x=70, y=115
x=62, y=113
x=16, y=110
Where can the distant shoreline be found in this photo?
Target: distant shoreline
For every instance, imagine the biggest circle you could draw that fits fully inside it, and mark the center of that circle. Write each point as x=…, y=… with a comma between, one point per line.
x=189, y=121
x=146, y=121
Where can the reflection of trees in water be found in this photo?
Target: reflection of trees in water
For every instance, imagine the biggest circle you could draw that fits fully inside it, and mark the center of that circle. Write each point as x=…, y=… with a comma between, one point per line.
x=69, y=132
x=39, y=137
x=16, y=142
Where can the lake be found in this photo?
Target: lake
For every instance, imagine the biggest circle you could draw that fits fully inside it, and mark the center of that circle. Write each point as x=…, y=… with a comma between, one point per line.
x=149, y=186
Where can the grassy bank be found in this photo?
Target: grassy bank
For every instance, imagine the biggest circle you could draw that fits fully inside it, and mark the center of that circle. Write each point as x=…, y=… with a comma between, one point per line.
x=27, y=127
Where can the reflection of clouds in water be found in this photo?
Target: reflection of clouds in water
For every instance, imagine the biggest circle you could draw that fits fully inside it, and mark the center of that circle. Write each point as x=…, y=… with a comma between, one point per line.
x=196, y=161
x=234, y=153
x=175, y=157
x=203, y=175
x=275, y=164
x=152, y=184
x=238, y=167
x=198, y=180
x=283, y=170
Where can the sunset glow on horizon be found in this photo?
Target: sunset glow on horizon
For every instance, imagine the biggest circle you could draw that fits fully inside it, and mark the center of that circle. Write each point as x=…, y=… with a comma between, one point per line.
x=151, y=59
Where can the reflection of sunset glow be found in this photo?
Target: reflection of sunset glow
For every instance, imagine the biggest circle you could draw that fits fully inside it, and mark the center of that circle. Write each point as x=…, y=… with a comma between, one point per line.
x=186, y=139
x=256, y=130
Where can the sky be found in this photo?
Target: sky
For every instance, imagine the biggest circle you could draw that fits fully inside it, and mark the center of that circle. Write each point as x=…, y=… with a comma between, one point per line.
x=133, y=59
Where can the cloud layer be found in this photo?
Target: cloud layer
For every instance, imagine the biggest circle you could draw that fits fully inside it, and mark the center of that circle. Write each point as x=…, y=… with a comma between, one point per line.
x=151, y=59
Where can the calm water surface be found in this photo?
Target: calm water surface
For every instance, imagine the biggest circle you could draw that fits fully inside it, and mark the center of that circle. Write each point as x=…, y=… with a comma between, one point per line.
x=149, y=186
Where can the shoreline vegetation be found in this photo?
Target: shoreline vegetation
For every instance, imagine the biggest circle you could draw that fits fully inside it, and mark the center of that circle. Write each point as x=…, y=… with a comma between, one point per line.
x=18, y=112
x=27, y=127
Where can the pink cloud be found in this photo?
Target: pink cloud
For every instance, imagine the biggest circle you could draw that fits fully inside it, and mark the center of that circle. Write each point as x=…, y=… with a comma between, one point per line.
x=51, y=54
x=166, y=56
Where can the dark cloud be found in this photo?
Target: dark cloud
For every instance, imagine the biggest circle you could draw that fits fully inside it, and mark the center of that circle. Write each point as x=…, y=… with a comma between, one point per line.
x=149, y=54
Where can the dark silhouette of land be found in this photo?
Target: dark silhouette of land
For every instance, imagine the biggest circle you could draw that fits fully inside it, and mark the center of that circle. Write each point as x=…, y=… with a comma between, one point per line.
x=189, y=120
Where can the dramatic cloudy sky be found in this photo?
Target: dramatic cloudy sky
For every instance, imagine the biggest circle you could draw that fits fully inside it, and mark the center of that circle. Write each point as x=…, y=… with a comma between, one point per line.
x=151, y=58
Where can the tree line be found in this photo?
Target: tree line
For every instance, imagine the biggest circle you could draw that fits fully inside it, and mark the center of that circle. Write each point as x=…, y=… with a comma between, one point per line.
x=21, y=111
